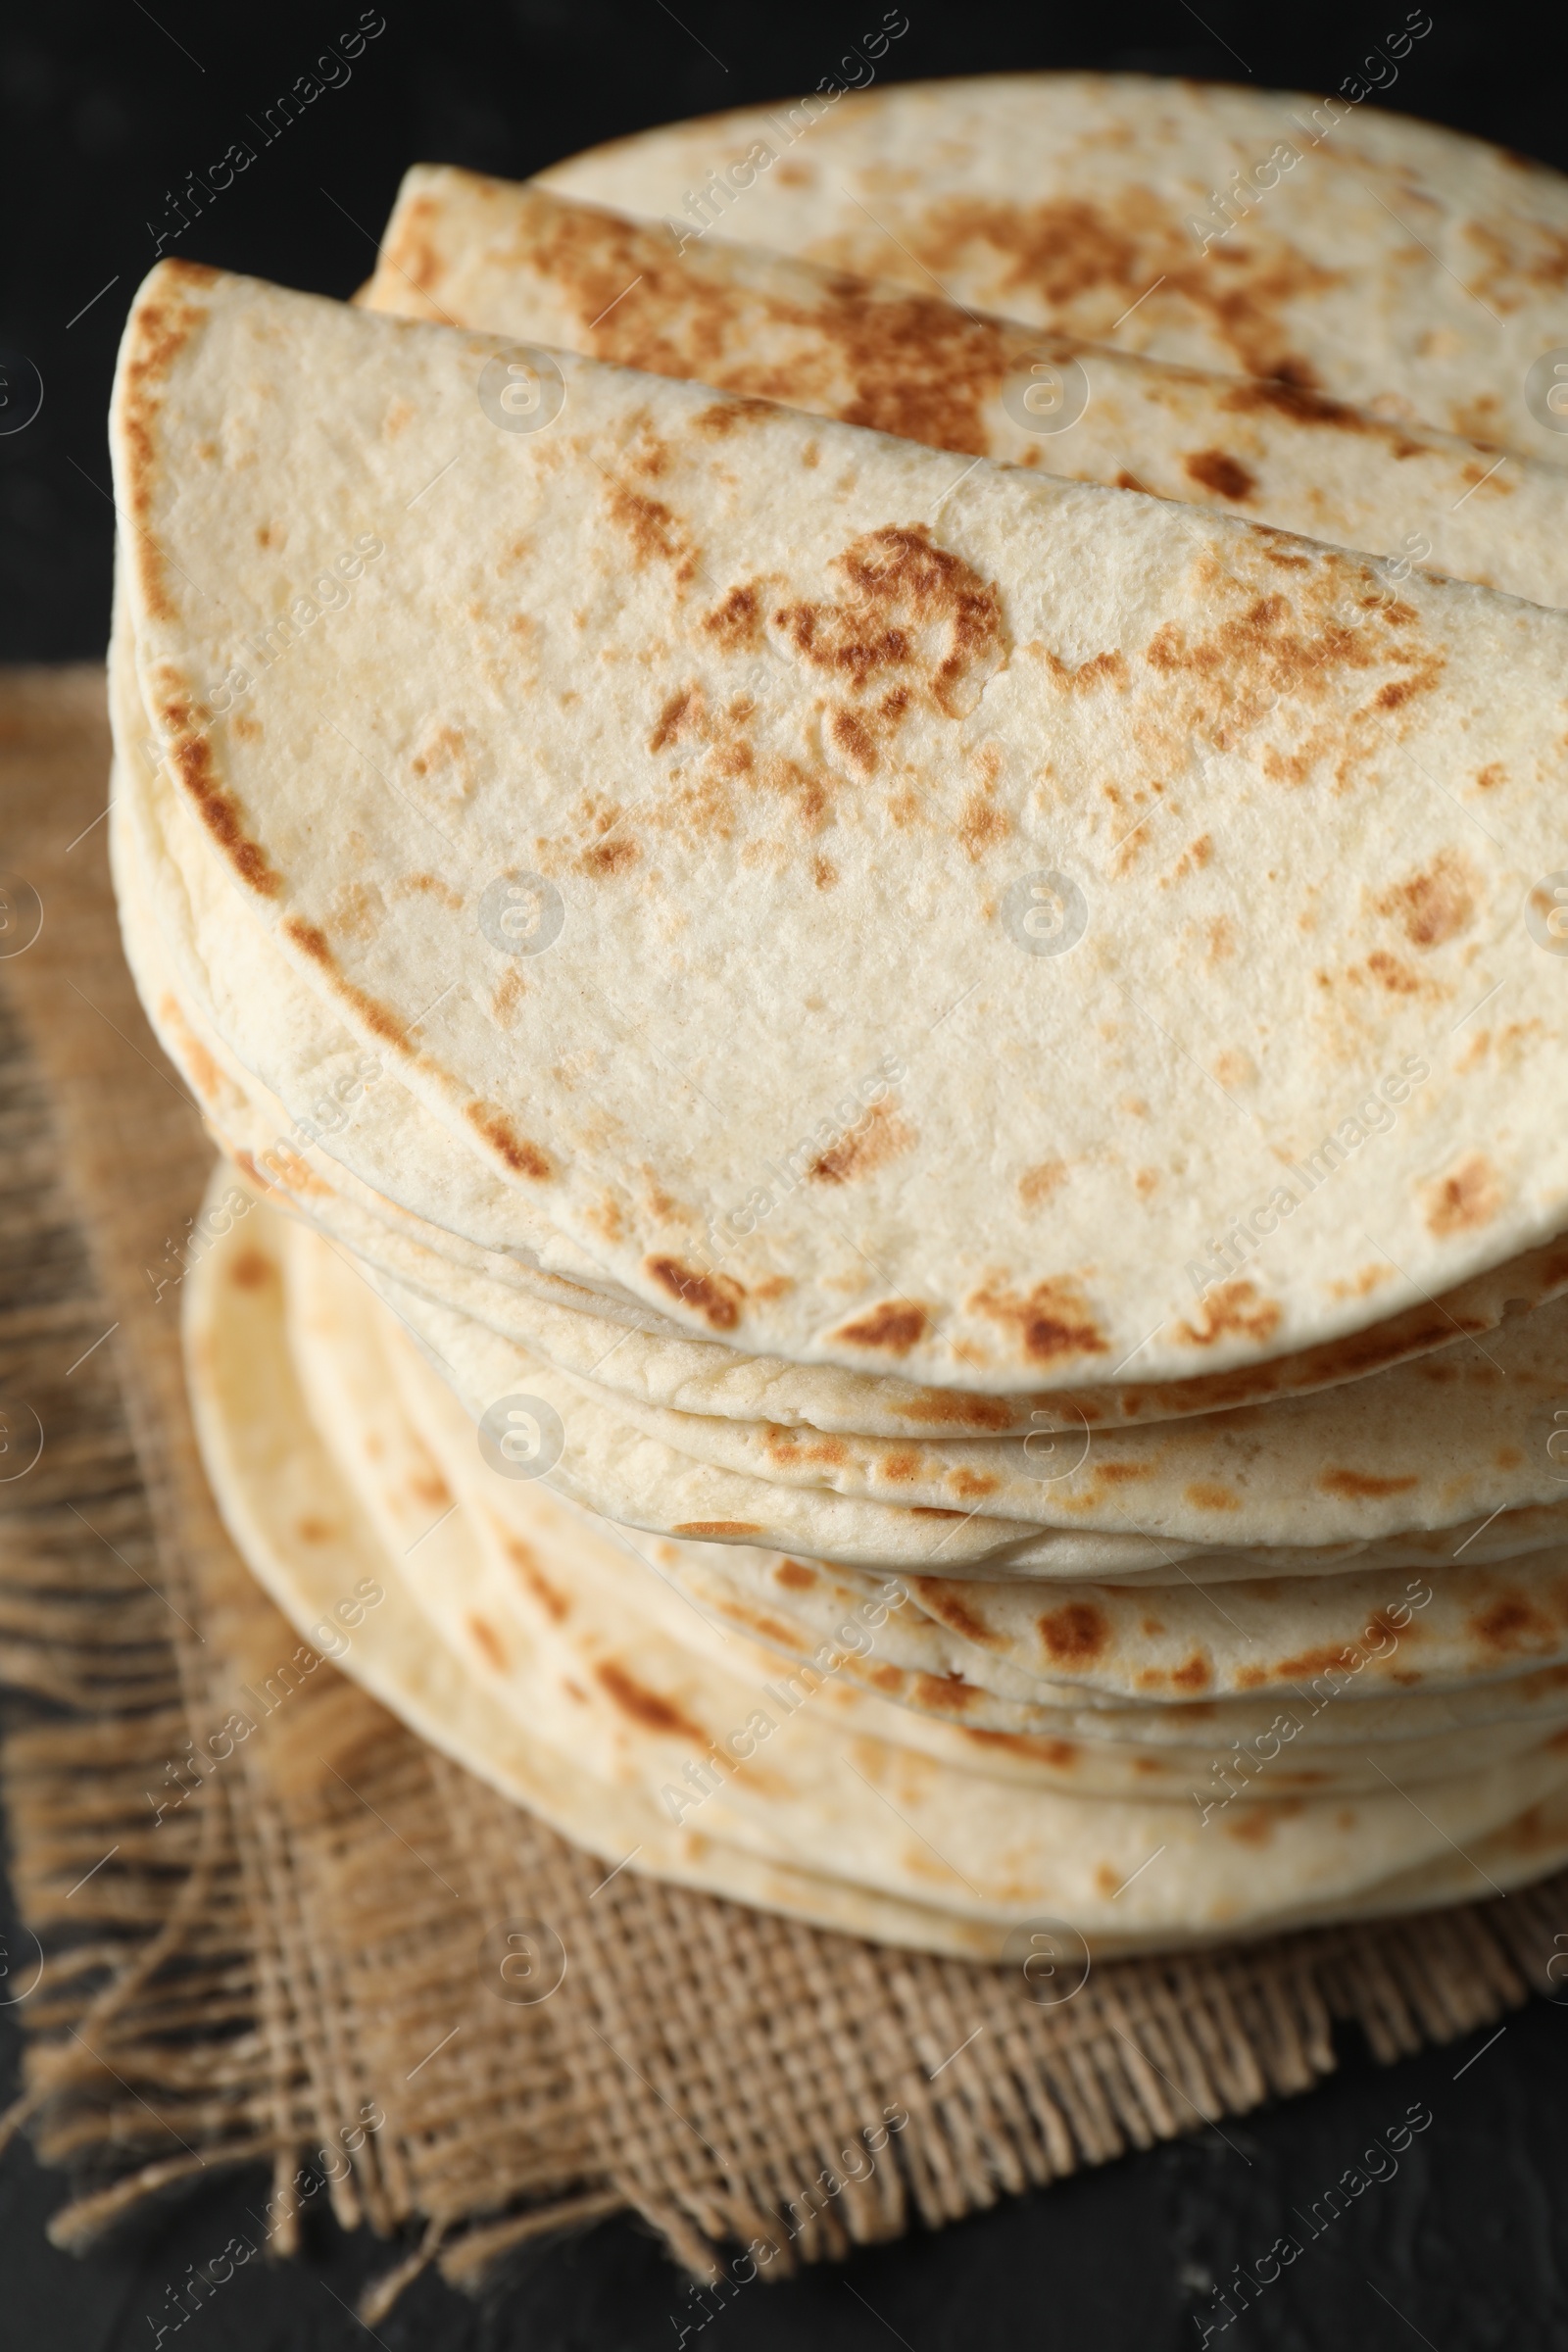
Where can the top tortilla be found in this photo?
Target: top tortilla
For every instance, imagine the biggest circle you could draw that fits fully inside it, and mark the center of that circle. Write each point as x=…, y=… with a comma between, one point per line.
x=792, y=1070
x=473, y=251
x=1390, y=264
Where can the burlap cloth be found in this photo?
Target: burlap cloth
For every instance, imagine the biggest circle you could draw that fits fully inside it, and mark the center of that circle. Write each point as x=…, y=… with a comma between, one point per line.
x=292, y=1944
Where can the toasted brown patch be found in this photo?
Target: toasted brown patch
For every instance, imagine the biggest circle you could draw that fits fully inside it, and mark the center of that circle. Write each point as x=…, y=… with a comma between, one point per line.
x=947, y=1693
x=915, y=612
x=1233, y=1309
x=715, y=1297
x=1254, y=1824
x=1207, y=1495
x=1050, y=1322
x=1362, y=1486
x=736, y=624
x=953, y=1408
x=1036, y=1185
x=796, y=1575
x=1432, y=907
x=1193, y=1674
x=876, y=1137
x=945, y=1600
x=1510, y=1623
x=717, y=1528
x=896, y=1326
x=489, y=1644
x=310, y=1530
x=645, y=1706
x=521, y=1156
x=1227, y=476
x=1469, y=1198
x=1075, y=1634
x=550, y=1596
x=250, y=1270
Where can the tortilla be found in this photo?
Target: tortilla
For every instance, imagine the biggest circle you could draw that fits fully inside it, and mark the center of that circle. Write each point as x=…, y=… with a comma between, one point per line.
x=473, y=251
x=635, y=1352
x=1071, y=1858
x=880, y=1248
x=1317, y=241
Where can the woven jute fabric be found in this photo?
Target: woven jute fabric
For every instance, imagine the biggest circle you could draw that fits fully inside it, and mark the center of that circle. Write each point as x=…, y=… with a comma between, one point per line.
x=283, y=1955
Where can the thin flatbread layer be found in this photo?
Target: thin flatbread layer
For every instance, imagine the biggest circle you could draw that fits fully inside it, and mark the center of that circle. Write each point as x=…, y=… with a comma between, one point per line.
x=1071, y=1856
x=1439, y=1443
x=1192, y=627
x=473, y=251
x=1408, y=1632
x=635, y=1352
x=1368, y=256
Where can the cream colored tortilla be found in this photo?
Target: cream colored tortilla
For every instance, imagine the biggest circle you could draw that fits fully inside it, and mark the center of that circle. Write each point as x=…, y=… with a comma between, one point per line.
x=471, y=251
x=634, y=1352
x=1390, y=264
x=1435, y=1446
x=1381, y=1449
x=843, y=1269
x=1019, y=1856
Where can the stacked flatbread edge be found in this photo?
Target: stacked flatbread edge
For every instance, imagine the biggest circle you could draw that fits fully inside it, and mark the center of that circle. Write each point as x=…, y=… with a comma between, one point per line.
x=947, y=1057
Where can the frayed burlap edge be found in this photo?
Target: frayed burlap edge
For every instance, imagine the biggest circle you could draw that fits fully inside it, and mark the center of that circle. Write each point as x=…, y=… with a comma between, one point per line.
x=279, y=1957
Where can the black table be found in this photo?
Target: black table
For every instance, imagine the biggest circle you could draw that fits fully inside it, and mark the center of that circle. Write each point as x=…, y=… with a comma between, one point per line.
x=104, y=109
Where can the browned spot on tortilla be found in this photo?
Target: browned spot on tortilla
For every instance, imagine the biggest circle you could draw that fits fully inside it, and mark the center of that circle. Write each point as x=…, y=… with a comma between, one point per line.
x=1062, y=1754
x=645, y=1706
x=1075, y=1634
x=715, y=1297
x=1051, y=1321
x=914, y=607
x=1254, y=1824
x=824, y=873
x=1469, y=1198
x=980, y=824
x=250, y=1270
x=1488, y=778
x=310, y=1530
x=1362, y=1486
x=489, y=1643
x=523, y=1559
x=973, y=1485
x=1434, y=906
x=1390, y=973
x=737, y=623
x=1508, y=1457
x=946, y=1692
x=953, y=1408
x=682, y=715
x=1233, y=1307
x=1512, y=1623
x=220, y=812
x=1193, y=1674
x=1037, y=1184
x=651, y=528
x=1081, y=262
x=945, y=1599
x=896, y=1325
x=521, y=1156
x=1227, y=476
x=876, y=1137
x=717, y=1528
x=1309, y=1662
x=428, y=1485
x=796, y=1575
x=1208, y=1494
x=608, y=857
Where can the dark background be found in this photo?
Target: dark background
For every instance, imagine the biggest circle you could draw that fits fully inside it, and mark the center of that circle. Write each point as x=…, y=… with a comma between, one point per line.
x=103, y=112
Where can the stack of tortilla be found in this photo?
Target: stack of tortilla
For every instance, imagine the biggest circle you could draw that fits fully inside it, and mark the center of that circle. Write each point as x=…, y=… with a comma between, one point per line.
x=906, y=1017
